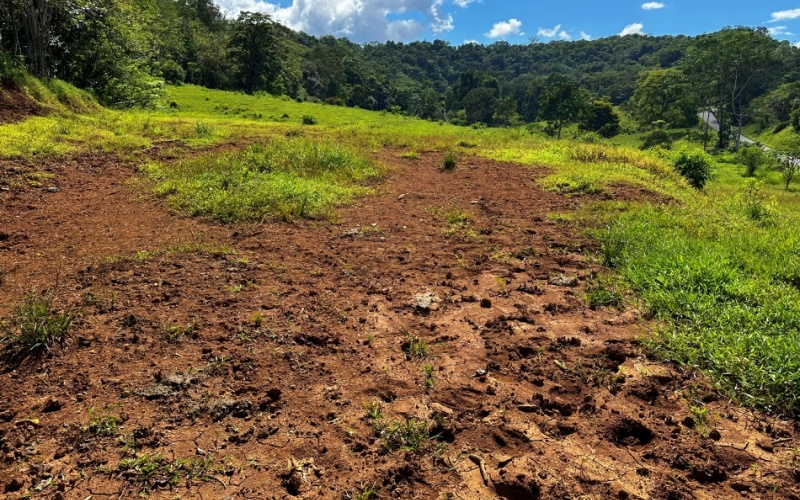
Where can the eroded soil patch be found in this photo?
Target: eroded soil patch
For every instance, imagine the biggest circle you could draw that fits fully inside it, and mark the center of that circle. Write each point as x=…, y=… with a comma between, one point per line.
x=433, y=342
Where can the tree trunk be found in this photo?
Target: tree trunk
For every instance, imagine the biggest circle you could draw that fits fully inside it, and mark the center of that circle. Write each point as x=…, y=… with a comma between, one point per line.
x=37, y=31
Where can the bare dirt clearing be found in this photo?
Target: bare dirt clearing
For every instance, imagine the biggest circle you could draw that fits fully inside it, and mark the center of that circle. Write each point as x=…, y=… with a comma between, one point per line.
x=433, y=343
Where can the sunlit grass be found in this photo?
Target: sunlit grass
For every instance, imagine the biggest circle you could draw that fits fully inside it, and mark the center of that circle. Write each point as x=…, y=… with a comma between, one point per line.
x=280, y=180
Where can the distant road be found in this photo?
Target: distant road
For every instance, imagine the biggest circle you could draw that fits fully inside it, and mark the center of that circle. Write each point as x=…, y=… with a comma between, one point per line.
x=712, y=121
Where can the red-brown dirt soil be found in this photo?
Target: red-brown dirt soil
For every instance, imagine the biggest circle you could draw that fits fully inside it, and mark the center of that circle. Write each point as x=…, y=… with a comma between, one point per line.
x=15, y=105
x=240, y=362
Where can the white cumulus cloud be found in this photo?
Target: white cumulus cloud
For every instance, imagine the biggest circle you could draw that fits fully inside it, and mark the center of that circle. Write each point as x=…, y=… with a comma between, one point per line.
x=359, y=20
x=632, y=29
x=585, y=36
x=463, y=3
x=785, y=15
x=552, y=33
x=652, y=6
x=505, y=28
x=779, y=30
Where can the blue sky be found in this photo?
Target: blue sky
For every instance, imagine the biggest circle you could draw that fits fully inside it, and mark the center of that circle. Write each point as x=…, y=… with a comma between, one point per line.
x=485, y=21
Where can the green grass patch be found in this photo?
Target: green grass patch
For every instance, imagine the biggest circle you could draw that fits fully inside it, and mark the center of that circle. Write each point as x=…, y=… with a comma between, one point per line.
x=726, y=290
x=284, y=179
x=35, y=326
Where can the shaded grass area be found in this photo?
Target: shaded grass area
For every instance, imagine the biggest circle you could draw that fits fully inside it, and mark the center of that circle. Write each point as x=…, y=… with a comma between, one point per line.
x=283, y=179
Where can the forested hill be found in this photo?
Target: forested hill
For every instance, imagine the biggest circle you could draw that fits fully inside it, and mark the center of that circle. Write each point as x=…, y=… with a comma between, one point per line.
x=123, y=50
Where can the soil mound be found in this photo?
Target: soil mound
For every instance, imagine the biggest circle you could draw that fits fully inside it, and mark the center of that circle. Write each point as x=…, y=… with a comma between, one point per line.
x=16, y=105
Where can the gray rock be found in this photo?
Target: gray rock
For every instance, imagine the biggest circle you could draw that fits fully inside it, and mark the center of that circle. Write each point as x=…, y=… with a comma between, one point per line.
x=562, y=280
x=225, y=407
x=352, y=233
x=155, y=391
x=424, y=302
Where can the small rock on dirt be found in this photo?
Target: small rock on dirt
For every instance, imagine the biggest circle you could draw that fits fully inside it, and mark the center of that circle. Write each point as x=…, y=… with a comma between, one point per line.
x=562, y=280
x=486, y=303
x=424, y=302
x=155, y=391
x=225, y=407
x=352, y=233
x=766, y=445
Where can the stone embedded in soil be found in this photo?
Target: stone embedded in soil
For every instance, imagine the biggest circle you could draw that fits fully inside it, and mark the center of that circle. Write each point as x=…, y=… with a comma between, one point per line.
x=178, y=380
x=352, y=233
x=486, y=303
x=155, y=391
x=424, y=302
x=562, y=280
x=225, y=407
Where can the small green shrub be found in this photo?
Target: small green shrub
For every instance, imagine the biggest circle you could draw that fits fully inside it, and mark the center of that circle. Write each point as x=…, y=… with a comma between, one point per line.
x=657, y=137
x=415, y=347
x=411, y=435
x=449, y=161
x=309, y=120
x=751, y=157
x=35, y=325
x=754, y=205
x=694, y=166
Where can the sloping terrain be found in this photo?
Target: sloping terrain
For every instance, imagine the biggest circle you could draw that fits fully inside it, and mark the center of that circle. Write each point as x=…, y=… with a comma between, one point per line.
x=15, y=105
x=433, y=342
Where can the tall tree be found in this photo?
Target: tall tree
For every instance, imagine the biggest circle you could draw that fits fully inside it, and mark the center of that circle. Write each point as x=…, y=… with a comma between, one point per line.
x=664, y=94
x=258, y=51
x=729, y=69
x=562, y=102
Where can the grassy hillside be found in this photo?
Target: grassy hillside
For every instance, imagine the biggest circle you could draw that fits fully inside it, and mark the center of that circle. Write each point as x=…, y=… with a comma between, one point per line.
x=716, y=270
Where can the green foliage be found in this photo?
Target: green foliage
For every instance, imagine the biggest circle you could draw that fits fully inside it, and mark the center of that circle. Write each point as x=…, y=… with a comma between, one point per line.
x=664, y=94
x=754, y=205
x=149, y=472
x=603, y=293
x=35, y=326
x=751, y=157
x=657, y=138
x=725, y=290
x=430, y=378
x=449, y=161
x=411, y=435
x=103, y=424
x=415, y=347
x=600, y=117
x=562, y=103
x=284, y=179
x=309, y=120
x=695, y=166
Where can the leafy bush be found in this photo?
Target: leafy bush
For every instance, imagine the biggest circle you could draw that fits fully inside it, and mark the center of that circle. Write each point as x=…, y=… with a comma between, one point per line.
x=751, y=203
x=11, y=71
x=751, y=157
x=309, y=120
x=657, y=137
x=694, y=166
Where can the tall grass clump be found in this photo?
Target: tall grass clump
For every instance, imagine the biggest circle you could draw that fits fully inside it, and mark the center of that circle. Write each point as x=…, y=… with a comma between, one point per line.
x=35, y=326
x=284, y=179
x=726, y=290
